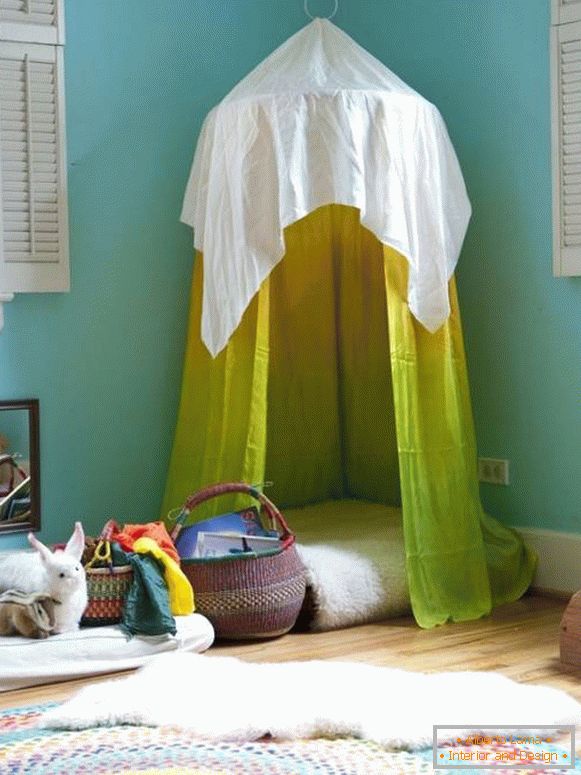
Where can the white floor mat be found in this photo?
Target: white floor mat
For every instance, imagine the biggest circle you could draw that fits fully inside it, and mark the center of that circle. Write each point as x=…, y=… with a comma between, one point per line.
x=93, y=650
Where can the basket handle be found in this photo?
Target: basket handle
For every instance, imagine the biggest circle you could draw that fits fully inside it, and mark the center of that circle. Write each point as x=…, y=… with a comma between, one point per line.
x=214, y=490
x=102, y=551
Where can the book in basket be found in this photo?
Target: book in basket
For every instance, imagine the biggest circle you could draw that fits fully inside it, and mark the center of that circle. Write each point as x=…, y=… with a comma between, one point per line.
x=225, y=544
x=246, y=522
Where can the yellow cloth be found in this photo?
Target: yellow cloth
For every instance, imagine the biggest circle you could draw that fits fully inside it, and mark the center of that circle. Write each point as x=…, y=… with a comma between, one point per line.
x=330, y=388
x=181, y=594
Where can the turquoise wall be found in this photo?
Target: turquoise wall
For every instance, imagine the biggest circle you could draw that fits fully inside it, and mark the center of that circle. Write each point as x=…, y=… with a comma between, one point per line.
x=105, y=359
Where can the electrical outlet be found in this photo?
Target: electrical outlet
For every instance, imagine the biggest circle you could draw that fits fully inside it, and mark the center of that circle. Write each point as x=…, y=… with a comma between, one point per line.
x=493, y=471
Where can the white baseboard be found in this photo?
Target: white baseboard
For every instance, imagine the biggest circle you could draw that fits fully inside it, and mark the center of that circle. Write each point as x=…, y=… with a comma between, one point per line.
x=559, y=568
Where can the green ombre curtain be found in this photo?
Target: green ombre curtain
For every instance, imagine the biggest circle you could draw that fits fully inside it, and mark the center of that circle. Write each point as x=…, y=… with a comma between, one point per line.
x=460, y=561
x=331, y=389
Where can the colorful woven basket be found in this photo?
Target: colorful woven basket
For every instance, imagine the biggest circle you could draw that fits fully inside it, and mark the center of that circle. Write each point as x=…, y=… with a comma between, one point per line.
x=107, y=587
x=107, y=590
x=253, y=596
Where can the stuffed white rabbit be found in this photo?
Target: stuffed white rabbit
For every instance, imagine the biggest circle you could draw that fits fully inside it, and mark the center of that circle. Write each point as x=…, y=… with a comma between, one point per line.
x=58, y=574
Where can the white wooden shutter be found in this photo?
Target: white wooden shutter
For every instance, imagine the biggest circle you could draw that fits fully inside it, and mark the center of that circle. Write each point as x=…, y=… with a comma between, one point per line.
x=566, y=128
x=32, y=21
x=564, y=11
x=33, y=212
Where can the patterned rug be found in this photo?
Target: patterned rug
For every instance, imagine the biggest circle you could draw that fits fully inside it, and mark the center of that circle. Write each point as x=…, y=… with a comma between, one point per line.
x=165, y=751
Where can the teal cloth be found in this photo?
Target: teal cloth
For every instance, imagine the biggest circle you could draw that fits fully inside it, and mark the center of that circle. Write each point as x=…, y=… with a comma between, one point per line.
x=147, y=608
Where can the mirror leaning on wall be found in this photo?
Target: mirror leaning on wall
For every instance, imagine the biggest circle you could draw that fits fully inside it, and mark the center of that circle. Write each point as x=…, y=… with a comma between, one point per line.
x=19, y=466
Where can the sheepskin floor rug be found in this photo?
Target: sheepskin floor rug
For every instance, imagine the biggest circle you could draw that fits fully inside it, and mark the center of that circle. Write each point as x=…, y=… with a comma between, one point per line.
x=354, y=555
x=226, y=699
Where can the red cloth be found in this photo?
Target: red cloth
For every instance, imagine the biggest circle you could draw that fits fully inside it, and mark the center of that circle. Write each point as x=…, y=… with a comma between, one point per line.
x=155, y=530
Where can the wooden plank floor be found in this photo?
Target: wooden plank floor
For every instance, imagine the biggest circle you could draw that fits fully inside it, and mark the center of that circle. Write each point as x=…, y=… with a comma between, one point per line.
x=520, y=640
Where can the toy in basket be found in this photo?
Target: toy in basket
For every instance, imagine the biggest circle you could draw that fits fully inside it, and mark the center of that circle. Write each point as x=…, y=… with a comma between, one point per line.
x=107, y=586
x=246, y=594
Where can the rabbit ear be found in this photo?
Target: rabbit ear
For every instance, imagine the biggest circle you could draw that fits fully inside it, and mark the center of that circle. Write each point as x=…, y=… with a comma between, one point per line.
x=43, y=550
x=76, y=543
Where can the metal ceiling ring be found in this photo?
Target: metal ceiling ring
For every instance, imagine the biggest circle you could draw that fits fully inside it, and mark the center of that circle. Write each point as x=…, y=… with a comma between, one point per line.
x=309, y=14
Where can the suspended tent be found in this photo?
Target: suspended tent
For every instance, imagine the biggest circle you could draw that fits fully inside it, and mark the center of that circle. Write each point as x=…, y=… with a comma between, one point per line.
x=329, y=211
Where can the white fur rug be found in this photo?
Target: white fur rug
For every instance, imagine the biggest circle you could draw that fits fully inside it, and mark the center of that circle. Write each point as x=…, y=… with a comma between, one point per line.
x=226, y=699
x=354, y=554
x=347, y=587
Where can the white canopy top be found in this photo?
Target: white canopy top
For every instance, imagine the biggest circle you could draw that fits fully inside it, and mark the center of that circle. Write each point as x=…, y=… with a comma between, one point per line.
x=322, y=121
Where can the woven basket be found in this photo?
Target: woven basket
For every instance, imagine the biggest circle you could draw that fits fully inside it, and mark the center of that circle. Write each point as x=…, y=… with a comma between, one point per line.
x=107, y=587
x=106, y=590
x=247, y=597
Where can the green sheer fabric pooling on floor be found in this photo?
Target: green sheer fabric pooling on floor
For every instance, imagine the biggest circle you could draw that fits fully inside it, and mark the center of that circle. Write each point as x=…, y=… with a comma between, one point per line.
x=458, y=558
x=331, y=389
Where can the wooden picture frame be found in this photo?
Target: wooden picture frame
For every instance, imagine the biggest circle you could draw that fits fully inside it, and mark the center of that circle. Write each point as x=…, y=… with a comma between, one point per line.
x=20, y=493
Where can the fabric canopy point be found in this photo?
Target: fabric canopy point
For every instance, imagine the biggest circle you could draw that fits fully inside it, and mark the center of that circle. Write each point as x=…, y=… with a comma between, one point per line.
x=322, y=121
x=338, y=372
